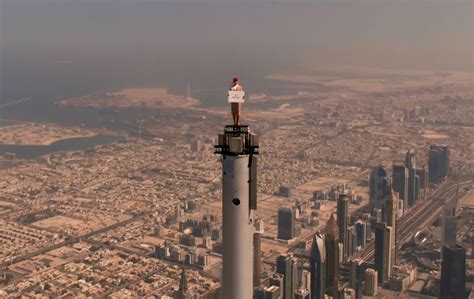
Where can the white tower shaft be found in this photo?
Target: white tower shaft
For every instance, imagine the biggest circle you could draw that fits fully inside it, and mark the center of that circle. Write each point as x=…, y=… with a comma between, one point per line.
x=237, y=147
x=237, y=228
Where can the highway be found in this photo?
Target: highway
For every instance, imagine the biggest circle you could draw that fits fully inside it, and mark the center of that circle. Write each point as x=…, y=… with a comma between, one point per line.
x=421, y=215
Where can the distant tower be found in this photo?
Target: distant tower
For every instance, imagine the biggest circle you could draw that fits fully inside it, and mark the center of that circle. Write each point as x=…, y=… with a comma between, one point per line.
x=438, y=163
x=361, y=232
x=188, y=95
x=257, y=255
x=449, y=224
x=453, y=272
x=318, y=267
x=377, y=188
x=356, y=275
x=389, y=217
x=400, y=182
x=237, y=146
x=410, y=163
x=370, y=288
x=343, y=221
x=423, y=176
x=351, y=241
x=410, y=160
x=286, y=266
x=286, y=223
x=183, y=287
x=331, y=244
x=383, y=251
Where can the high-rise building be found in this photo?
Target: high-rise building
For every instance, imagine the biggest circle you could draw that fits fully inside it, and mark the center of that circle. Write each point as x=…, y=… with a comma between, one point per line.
x=453, y=272
x=410, y=163
x=356, y=275
x=257, y=259
x=422, y=173
x=400, y=182
x=257, y=254
x=318, y=267
x=343, y=221
x=371, y=282
x=361, y=232
x=377, y=186
x=383, y=251
x=286, y=223
x=286, y=266
x=448, y=226
x=410, y=160
x=438, y=163
x=183, y=292
x=331, y=244
x=389, y=217
x=351, y=241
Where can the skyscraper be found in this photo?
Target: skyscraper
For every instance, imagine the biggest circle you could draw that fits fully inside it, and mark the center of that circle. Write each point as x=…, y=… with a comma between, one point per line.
x=453, y=272
x=438, y=163
x=257, y=259
x=389, y=217
x=383, y=251
x=449, y=224
x=422, y=173
x=410, y=163
x=331, y=244
x=377, y=186
x=318, y=267
x=286, y=223
x=356, y=275
x=390, y=208
x=400, y=182
x=417, y=186
x=343, y=221
x=370, y=288
x=286, y=266
x=361, y=232
x=351, y=241
x=183, y=292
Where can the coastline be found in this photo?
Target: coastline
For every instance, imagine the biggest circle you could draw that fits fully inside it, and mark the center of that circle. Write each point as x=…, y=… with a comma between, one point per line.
x=50, y=141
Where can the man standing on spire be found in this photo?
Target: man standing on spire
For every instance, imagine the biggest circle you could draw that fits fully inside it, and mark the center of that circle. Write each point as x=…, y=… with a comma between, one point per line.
x=235, y=107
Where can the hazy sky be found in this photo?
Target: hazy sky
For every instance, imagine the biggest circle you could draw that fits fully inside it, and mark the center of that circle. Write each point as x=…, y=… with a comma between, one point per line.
x=153, y=43
x=396, y=33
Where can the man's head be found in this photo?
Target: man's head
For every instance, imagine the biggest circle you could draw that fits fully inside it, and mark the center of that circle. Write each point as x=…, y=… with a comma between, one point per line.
x=235, y=80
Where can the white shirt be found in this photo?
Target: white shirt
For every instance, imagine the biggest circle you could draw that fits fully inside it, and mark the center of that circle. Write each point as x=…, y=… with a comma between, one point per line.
x=236, y=87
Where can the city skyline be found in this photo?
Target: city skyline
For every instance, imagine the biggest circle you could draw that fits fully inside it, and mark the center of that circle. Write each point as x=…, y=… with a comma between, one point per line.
x=343, y=166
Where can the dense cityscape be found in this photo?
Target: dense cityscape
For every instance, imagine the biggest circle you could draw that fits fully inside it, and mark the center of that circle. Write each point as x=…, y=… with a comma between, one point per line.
x=236, y=149
x=360, y=196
